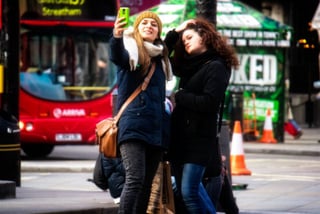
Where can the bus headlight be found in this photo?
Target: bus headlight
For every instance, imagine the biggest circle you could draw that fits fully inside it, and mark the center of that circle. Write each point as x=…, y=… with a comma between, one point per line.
x=29, y=127
x=21, y=125
x=26, y=126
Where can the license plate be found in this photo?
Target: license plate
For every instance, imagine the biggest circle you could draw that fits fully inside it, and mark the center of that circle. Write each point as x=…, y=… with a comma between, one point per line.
x=68, y=137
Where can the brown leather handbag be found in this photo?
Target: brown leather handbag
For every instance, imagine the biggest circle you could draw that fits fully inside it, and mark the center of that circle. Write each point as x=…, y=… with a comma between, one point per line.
x=107, y=129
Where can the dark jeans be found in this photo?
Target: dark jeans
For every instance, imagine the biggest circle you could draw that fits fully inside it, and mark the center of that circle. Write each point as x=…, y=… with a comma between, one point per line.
x=141, y=162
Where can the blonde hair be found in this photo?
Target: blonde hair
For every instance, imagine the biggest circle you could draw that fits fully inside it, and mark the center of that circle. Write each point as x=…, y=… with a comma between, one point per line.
x=144, y=58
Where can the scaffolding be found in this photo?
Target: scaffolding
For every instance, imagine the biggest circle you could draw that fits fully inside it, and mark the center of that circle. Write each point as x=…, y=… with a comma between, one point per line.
x=250, y=131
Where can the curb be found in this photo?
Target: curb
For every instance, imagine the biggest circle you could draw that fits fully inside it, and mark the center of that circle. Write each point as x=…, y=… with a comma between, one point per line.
x=109, y=210
x=88, y=166
x=282, y=152
x=58, y=166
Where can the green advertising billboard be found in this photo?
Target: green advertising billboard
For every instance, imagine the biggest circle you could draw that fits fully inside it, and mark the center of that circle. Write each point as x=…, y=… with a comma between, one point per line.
x=261, y=43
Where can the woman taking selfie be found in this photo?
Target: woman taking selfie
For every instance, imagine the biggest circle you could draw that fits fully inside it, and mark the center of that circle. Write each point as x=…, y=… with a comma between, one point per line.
x=141, y=126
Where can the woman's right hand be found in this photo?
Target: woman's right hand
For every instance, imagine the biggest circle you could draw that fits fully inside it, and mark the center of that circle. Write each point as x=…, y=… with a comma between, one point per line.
x=119, y=27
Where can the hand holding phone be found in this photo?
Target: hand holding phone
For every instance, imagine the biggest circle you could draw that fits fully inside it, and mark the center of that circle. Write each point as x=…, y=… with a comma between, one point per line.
x=125, y=12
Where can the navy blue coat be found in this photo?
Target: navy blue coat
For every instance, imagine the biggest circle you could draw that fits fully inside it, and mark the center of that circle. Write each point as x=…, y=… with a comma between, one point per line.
x=145, y=118
x=109, y=174
x=114, y=172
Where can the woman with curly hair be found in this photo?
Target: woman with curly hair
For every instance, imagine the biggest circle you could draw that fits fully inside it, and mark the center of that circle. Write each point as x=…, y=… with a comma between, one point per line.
x=203, y=60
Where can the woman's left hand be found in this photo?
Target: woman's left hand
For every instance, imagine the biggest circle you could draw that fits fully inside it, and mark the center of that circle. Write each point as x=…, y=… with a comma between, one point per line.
x=119, y=27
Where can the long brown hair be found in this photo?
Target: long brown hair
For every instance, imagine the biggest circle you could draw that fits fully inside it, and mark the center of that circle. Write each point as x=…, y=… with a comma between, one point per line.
x=144, y=58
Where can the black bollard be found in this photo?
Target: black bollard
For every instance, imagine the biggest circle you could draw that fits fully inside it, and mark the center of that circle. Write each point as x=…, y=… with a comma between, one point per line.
x=9, y=148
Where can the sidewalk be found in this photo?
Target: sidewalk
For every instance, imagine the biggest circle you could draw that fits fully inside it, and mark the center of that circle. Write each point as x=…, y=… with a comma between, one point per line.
x=308, y=144
x=62, y=186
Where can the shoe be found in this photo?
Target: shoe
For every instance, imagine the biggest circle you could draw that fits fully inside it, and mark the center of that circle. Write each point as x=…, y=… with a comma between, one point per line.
x=298, y=135
x=116, y=200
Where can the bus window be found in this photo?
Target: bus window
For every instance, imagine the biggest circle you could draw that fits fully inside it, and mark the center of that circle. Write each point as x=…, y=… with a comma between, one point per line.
x=77, y=65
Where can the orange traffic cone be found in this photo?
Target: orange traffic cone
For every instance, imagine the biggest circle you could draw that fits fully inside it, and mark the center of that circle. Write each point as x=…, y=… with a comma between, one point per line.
x=238, y=166
x=267, y=135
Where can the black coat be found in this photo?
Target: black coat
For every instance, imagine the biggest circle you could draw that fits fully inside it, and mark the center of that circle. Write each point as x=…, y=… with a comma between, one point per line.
x=203, y=82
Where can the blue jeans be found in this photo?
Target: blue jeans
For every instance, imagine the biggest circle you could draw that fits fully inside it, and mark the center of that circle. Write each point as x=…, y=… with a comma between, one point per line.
x=141, y=163
x=194, y=195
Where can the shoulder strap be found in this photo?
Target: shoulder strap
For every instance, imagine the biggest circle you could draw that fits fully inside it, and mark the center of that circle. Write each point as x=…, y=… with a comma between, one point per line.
x=143, y=86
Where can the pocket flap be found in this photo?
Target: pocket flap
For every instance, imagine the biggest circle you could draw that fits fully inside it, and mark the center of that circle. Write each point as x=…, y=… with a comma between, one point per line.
x=104, y=125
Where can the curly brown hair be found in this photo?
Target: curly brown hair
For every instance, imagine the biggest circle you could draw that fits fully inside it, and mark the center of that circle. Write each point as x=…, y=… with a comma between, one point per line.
x=213, y=41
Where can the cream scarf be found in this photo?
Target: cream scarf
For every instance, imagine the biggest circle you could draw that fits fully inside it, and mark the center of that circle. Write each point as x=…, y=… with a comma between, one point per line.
x=154, y=50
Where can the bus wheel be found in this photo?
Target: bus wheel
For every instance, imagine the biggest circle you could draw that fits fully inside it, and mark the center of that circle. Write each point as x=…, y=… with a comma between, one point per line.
x=37, y=150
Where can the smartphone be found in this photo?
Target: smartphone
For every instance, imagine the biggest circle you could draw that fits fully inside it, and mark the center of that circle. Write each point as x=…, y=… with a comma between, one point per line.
x=125, y=12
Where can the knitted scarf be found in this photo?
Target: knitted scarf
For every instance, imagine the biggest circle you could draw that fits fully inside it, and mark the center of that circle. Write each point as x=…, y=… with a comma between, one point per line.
x=154, y=50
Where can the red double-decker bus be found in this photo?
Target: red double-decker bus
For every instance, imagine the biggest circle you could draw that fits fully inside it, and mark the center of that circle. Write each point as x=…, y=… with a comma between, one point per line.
x=66, y=80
